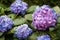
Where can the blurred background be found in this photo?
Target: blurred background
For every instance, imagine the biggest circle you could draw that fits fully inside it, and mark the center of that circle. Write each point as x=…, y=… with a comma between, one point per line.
x=34, y=2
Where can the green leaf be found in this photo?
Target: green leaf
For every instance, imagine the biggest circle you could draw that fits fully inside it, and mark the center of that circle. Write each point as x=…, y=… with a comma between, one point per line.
x=28, y=17
x=11, y=31
x=1, y=33
x=9, y=36
x=51, y=29
x=12, y=16
x=57, y=9
x=19, y=21
x=33, y=36
x=58, y=26
x=2, y=5
x=2, y=10
x=32, y=26
x=15, y=39
x=31, y=9
x=53, y=35
x=58, y=34
x=58, y=20
x=2, y=38
x=7, y=9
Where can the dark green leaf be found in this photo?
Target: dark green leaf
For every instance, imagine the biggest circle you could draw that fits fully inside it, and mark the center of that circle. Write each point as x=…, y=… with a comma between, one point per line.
x=9, y=37
x=2, y=38
x=53, y=35
x=15, y=39
x=2, y=5
x=11, y=31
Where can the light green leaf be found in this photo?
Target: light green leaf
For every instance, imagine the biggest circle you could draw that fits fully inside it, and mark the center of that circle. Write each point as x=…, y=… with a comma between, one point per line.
x=2, y=10
x=57, y=9
x=1, y=33
x=33, y=36
x=12, y=16
x=31, y=9
x=58, y=20
x=51, y=29
x=7, y=9
x=19, y=21
x=28, y=17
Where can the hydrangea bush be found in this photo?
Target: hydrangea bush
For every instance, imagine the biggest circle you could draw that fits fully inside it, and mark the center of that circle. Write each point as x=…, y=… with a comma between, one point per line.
x=36, y=20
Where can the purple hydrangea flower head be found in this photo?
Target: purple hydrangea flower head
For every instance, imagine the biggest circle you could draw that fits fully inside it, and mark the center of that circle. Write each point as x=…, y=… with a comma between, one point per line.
x=43, y=37
x=5, y=23
x=22, y=31
x=18, y=7
x=44, y=17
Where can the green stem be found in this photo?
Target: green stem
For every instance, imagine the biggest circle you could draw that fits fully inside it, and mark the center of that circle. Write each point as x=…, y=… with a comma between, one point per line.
x=15, y=16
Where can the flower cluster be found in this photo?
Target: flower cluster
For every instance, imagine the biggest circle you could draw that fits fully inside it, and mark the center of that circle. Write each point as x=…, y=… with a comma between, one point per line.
x=22, y=31
x=18, y=7
x=44, y=17
x=5, y=23
x=43, y=37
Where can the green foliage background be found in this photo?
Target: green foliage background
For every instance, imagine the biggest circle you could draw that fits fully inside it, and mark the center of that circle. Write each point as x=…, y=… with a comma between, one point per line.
x=27, y=18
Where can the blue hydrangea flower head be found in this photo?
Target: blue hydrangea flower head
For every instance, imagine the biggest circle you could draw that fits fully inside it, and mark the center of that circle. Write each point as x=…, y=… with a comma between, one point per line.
x=22, y=31
x=44, y=17
x=43, y=37
x=18, y=7
x=5, y=23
